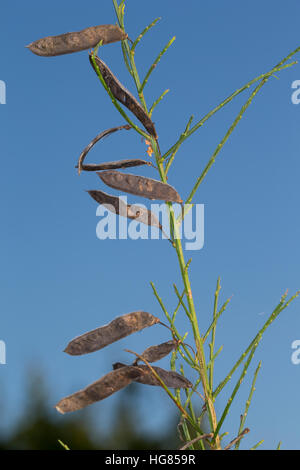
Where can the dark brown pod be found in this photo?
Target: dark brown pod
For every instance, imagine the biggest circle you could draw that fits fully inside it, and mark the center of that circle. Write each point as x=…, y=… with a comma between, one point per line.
x=114, y=165
x=77, y=41
x=117, y=329
x=124, y=96
x=100, y=136
x=134, y=212
x=170, y=378
x=140, y=186
x=155, y=353
x=99, y=390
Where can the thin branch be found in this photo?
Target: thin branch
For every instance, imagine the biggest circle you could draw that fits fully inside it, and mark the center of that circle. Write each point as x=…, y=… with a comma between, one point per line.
x=280, y=307
x=157, y=102
x=231, y=97
x=248, y=402
x=193, y=441
x=237, y=439
x=140, y=36
x=153, y=66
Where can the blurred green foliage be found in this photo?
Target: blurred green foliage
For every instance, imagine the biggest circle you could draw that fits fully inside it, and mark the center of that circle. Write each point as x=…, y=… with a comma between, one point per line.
x=40, y=427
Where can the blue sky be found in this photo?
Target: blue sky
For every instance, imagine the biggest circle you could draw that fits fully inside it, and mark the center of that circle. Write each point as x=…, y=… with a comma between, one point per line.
x=58, y=280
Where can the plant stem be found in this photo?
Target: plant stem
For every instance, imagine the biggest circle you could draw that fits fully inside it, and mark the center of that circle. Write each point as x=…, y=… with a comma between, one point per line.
x=178, y=246
x=213, y=335
x=188, y=290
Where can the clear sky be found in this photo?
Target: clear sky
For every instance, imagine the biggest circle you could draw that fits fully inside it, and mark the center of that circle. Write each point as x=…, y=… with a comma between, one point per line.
x=58, y=280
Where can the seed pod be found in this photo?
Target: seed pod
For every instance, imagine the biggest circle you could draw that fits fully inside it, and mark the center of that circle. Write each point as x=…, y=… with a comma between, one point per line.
x=78, y=41
x=100, y=136
x=134, y=212
x=124, y=96
x=140, y=186
x=99, y=390
x=114, y=165
x=119, y=328
x=155, y=353
x=170, y=378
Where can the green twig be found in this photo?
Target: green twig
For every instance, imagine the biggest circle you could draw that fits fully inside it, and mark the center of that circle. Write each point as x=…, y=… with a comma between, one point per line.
x=214, y=322
x=157, y=102
x=257, y=445
x=226, y=137
x=231, y=97
x=248, y=402
x=63, y=445
x=279, y=446
x=171, y=159
x=280, y=307
x=235, y=390
x=213, y=335
x=140, y=36
x=158, y=58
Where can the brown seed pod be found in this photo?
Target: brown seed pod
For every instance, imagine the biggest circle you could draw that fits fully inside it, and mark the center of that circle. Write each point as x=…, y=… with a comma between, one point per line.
x=140, y=186
x=134, y=212
x=155, y=353
x=115, y=165
x=100, y=136
x=124, y=96
x=78, y=41
x=117, y=329
x=170, y=378
x=99, y=390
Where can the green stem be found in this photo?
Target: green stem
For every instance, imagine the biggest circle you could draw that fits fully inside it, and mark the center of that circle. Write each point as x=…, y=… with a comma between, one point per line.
x=248, y=402
x=254, y=343
x=213, y=336
x=231, y=97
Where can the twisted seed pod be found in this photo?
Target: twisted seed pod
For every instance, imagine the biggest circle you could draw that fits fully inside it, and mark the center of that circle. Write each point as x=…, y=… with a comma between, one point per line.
x=78, y=41
x=123, y=95
x=140, y=186
x=99, y=390
x=170, y=378
x=119, y=328
x=100, y=136
x=155, y=353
